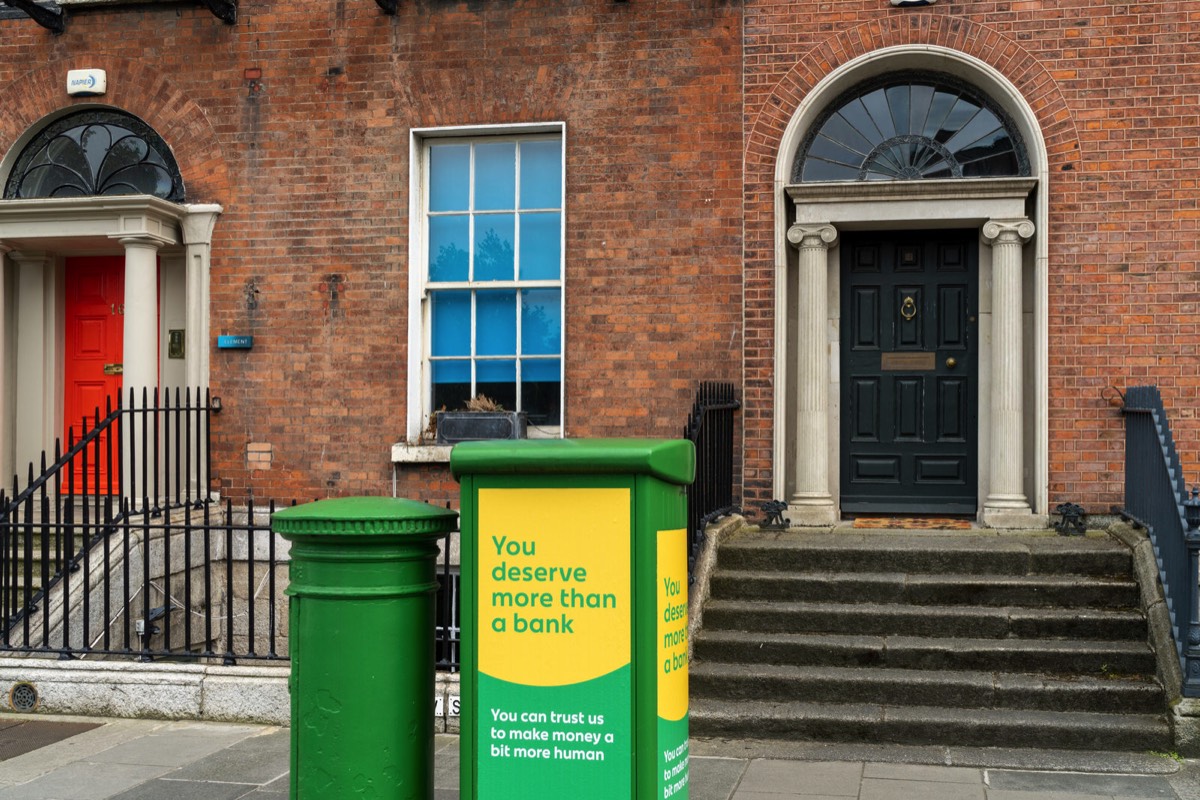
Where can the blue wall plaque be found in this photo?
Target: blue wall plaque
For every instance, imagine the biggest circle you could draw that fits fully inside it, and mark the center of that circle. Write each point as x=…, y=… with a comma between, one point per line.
x=235, y=342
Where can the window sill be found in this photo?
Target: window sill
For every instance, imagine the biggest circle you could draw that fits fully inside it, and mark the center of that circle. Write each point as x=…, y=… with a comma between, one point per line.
x=404, y=453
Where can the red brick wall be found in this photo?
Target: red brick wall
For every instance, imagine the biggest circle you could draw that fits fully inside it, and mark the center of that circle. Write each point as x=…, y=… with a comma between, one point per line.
x=1116, y=88
x=310, y=161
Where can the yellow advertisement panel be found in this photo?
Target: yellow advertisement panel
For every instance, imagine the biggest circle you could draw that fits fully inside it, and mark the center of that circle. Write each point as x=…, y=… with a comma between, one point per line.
x=672, y=624
x=554, y=584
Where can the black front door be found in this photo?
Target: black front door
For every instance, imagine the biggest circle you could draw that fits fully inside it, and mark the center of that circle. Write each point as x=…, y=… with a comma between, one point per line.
x=909, y=373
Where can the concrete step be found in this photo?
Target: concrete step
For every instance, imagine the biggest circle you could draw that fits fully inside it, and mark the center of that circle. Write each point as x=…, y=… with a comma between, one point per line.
x=1067, y=591
x=928, y=552
x=890, y=687
x=1060, y=657
x=997, y=622
x=916, y=725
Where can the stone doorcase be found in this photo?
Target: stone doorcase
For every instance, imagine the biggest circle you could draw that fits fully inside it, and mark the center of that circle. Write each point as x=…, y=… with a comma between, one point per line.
x=166, y=247
x=1011, y=216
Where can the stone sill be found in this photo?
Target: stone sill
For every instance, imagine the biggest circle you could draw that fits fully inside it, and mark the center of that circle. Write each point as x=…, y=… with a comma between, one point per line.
x=404, y=453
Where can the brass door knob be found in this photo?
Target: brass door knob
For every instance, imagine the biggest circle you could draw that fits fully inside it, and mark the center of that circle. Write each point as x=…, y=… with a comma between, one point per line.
x=951, y=362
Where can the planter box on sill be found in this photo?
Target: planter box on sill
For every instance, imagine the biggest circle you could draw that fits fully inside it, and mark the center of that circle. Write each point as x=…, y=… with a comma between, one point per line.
x=473, y=426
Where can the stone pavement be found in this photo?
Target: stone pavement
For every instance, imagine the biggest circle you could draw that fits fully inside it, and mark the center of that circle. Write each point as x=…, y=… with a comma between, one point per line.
x=156, y=760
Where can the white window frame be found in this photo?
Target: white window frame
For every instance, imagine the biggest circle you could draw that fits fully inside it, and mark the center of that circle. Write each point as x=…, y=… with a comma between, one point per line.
x=418, y=390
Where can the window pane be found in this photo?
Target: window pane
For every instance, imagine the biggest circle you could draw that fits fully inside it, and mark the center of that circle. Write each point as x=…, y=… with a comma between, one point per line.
x=451, y=312
x=451, y=384
x=452, y=371
x=496, y=176
x=498, y=380
x=541, y=174
x=494, y=247
x=449, y=244
x=449, y=177
x=541, y=321
x=541, y=246
x=541, y=380
x=496, y=323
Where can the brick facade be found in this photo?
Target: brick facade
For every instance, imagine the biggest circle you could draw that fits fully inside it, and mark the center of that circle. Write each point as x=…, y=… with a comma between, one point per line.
x=296, y=120
x=1115, y=88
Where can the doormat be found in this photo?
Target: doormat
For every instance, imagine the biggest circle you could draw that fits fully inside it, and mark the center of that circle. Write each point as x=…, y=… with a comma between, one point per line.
x=913, y=523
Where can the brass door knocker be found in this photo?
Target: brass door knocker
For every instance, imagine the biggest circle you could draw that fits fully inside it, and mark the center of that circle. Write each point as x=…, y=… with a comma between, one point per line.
x=908, y=309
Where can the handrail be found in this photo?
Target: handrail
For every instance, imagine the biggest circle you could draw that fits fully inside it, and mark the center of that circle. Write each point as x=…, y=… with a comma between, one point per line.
x=1156, y=498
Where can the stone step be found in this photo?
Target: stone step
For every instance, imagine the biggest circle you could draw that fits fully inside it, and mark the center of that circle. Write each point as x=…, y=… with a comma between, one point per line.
x=890, y=687
x=968, y=727
x=931, y=552
x=1069, y=591
x=981, y=622
x=1061, y=657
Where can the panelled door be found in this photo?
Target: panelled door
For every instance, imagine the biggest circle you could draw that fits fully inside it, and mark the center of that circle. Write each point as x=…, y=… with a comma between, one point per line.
x=93, y=341
x=909, y=372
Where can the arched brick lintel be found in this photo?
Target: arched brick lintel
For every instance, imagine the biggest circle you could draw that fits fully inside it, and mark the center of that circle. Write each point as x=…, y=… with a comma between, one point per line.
x=1032, y=80
x=138, y=89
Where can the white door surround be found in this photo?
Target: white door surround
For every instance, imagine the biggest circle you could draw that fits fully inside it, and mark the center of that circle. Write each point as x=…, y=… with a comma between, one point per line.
x=35, y=237
x=1011, y=216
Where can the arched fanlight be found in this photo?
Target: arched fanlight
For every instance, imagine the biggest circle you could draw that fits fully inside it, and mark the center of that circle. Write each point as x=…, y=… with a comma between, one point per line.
x=911, y=125
x=95, y=152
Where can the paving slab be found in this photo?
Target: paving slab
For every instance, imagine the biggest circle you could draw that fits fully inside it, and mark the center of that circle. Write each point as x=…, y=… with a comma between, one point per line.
x=836, y=778
x=185, y=790
x=169, y=748
x=714, y=778
x=84, y=781
x=1140, y=786
x=922, y=772
x=1005, y=794
x=256, y=760
x=884, y=789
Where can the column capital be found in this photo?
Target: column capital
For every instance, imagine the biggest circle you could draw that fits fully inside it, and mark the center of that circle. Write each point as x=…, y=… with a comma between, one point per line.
x=141, y=239
x=1005, y=231
x=19, y=256
x=807, y=235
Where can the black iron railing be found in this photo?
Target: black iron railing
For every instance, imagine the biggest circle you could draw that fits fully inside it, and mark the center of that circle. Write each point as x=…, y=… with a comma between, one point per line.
x=710, y=428
x=1156, y=498
x=155, y=450
x=85, y=570
x=189, y=582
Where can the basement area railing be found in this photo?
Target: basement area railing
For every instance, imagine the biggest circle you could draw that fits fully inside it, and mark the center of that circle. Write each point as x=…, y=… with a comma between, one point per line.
x=710, y=428
x=1156, y=498
x=146, y=456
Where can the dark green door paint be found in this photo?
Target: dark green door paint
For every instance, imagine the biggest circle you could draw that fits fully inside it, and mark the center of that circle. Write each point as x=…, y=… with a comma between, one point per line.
x=909, y=372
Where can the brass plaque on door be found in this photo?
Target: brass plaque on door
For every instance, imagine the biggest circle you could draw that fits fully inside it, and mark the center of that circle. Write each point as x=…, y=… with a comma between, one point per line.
x=906, y=362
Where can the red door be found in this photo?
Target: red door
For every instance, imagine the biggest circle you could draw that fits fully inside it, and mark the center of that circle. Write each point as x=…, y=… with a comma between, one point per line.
x=93, y=341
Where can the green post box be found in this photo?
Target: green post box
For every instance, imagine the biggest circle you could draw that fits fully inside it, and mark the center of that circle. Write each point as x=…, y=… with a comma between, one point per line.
x=574, y=617
x=363, y=580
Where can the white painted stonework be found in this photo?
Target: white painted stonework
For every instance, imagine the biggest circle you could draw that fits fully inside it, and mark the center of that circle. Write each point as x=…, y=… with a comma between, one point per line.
x=36, y=238
x=1013, y=461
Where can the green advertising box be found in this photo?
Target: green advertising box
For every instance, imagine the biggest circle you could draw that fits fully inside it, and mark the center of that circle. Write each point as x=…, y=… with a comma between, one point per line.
x=574, y=618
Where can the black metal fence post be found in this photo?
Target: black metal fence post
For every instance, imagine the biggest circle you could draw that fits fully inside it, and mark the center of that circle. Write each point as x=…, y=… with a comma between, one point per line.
x=710, y=428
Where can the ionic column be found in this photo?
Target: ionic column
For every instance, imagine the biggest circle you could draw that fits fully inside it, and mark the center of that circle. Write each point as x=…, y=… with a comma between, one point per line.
x=1006, y=505
x=140, y=357
x=812, y=504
